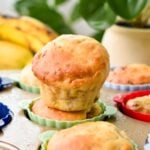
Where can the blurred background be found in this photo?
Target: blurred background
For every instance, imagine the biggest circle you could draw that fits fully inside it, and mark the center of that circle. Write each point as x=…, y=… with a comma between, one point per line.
x=123, y=27
x=80, y=27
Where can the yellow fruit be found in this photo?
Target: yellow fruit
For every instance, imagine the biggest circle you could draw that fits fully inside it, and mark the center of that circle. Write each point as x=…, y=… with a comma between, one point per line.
x=14, y=35
x=25, y=31
x=13, y=56
x=44, y=33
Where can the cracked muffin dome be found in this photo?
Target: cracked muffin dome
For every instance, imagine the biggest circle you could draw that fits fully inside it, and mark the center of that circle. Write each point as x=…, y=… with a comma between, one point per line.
x=71, y=69
x=90, y=136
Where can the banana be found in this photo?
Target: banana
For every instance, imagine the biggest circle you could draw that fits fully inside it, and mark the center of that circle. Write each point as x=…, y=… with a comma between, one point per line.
x=14, y=35
x=20, y=38
x=38, y=29
x=25, y=31
x=13, y=56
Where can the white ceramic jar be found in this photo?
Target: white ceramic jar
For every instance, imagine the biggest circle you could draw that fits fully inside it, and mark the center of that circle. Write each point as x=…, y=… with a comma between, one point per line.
x=127, y=45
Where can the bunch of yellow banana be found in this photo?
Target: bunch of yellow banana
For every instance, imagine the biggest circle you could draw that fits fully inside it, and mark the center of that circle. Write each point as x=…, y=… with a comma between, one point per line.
x=20, y=38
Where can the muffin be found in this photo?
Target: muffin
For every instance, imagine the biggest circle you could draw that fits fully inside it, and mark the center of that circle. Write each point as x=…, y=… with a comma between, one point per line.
x=44, y=111
x=130, y=74
x=90, y=136
x=140, y=104
x=27, y=77
x=71, y=70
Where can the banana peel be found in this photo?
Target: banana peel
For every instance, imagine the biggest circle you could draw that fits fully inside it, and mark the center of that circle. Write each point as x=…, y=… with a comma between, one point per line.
x=13, y=56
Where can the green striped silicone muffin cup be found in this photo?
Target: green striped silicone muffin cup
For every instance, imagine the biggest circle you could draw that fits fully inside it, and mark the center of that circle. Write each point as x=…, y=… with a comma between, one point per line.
x=45, y=137
x=108, y=111
x=23, y=86
x=32, y=89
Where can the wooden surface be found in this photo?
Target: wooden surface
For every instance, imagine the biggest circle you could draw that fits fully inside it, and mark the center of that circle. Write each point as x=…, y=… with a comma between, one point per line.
x=24, y=134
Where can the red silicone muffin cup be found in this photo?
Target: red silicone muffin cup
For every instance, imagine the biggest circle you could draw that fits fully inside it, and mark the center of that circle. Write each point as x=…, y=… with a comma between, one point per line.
x=121, y=100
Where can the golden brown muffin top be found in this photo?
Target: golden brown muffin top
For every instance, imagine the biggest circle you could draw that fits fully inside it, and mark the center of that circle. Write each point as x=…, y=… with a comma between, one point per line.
x=70, y=57
x=140, y=104
x=91, y=136
x=130, y=74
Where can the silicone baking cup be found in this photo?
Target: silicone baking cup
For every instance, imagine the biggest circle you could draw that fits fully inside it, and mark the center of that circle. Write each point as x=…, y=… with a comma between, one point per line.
x=125, y=87
x=25, y=87
x=6, y=115
x=45, y=137
x=108, y=111
x=28, y=88
x=121, y=100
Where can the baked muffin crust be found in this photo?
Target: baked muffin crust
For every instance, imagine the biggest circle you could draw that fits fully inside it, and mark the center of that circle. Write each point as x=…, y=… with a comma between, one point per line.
x=91, y=136
x=71, y=70
x=27, y=77
x=71, y=59
x=130, y=74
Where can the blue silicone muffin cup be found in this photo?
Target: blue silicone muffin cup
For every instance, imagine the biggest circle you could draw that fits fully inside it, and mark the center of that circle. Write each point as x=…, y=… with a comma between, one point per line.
x=6, y=115
x=5, y=83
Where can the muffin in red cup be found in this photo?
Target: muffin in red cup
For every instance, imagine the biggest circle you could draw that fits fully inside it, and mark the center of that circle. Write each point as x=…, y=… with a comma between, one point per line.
x=135, y=104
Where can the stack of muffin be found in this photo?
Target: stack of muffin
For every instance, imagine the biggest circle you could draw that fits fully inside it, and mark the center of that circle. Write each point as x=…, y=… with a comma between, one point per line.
x=71, y=70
